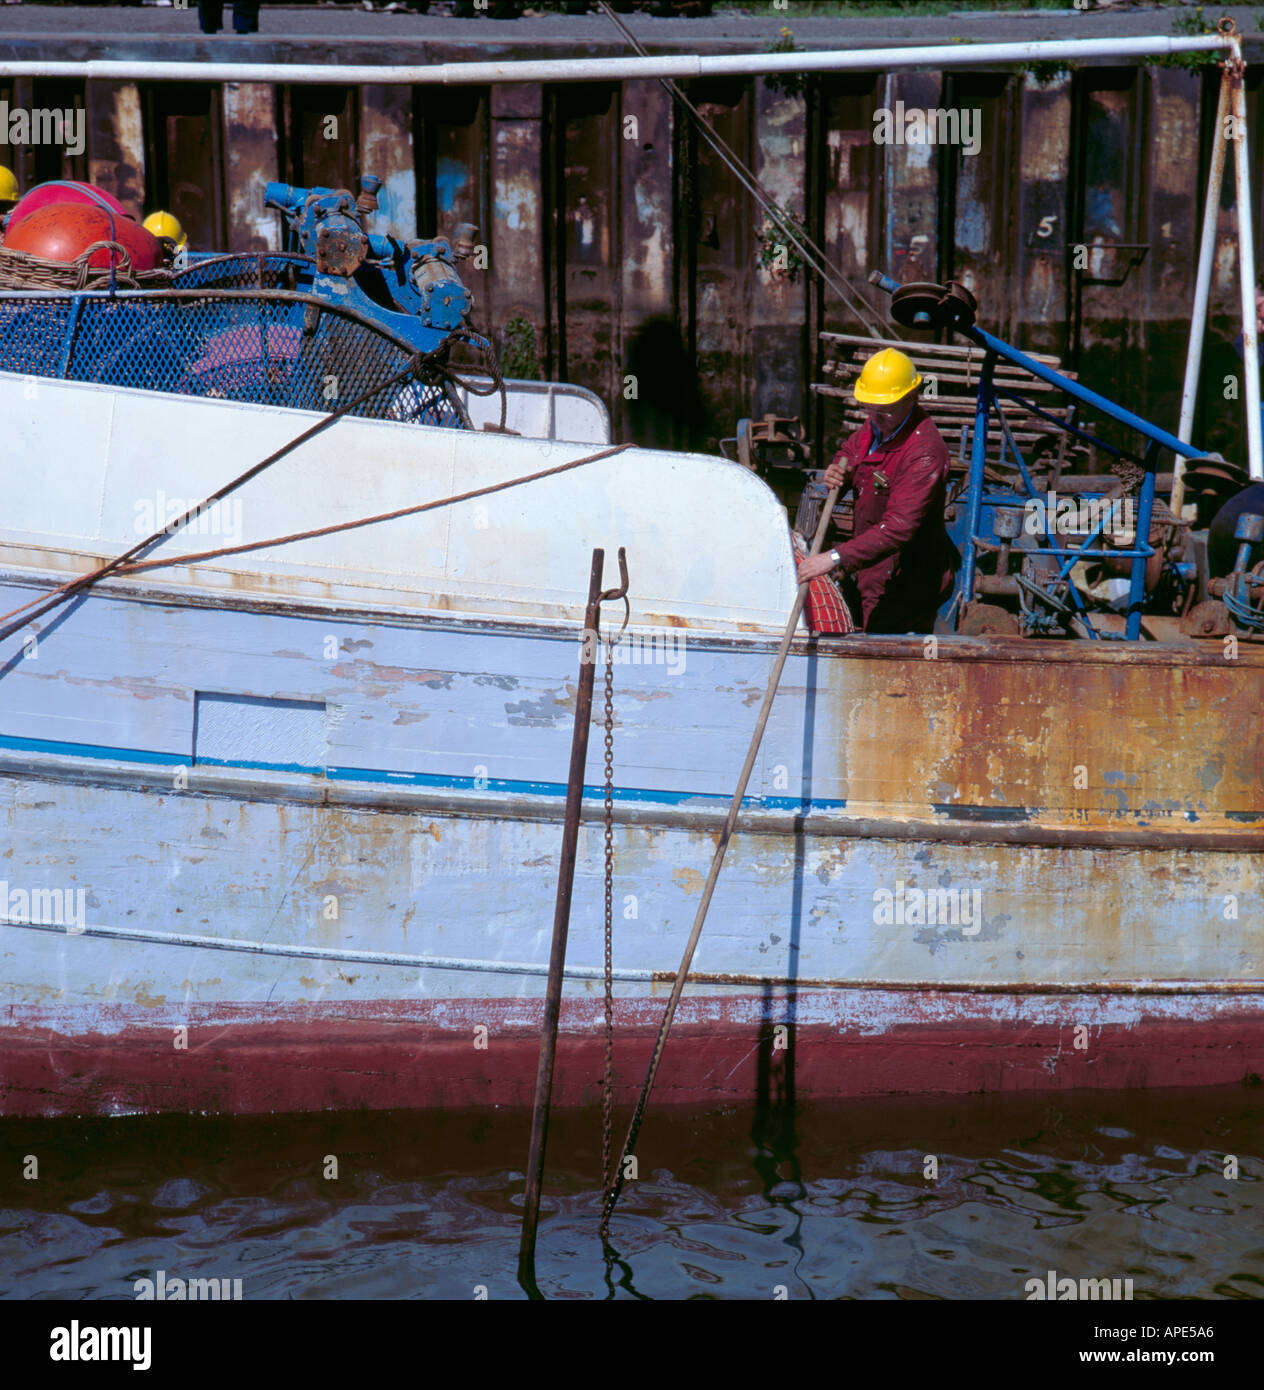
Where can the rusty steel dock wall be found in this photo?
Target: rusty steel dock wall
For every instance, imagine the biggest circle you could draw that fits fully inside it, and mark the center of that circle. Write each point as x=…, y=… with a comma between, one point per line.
x=620, y=253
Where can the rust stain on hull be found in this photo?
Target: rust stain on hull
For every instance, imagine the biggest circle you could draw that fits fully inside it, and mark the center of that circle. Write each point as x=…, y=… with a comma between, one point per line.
x=1043, y=741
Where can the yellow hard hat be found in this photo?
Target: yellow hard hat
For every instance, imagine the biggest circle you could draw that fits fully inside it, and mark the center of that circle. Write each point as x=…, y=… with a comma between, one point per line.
x=8, y=186
x=163, y=224
x=886, y=377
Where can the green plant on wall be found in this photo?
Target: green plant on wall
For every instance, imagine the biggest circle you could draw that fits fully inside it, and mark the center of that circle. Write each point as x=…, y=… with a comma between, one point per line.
x=1194, y=25
x=519, y=353
x=789, y=84
x=776, y=251
x=1044, y=72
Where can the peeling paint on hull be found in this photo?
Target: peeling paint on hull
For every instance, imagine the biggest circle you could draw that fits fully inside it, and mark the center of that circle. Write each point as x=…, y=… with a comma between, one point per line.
x=204, y=914
x=399, y=1055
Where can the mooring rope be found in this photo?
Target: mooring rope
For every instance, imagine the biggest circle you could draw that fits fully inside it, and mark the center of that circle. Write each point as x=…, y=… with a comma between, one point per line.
x=717, y=860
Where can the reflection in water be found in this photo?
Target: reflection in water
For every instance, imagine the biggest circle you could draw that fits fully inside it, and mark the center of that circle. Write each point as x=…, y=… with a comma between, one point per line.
x=776, y=1156
x=820, y=1201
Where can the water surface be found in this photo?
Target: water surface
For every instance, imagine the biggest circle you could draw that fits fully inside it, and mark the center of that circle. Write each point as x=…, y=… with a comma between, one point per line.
x=822, y=1202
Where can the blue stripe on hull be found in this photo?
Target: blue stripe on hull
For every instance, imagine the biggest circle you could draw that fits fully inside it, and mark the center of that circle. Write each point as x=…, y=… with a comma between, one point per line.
x=411, y=779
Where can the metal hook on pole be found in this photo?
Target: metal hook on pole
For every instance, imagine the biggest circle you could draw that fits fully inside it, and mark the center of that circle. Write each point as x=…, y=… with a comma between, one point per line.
x=622, y=590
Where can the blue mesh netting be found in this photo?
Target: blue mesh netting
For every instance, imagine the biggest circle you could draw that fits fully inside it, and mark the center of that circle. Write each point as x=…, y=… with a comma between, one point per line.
x=32, y=335
x=267, y=270
x=267, y=349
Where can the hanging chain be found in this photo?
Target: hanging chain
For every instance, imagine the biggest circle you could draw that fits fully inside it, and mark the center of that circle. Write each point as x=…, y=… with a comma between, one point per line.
x=607, y=1087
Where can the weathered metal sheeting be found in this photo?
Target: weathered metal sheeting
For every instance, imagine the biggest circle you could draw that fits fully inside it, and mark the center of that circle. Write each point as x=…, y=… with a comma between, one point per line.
x=1030, y=737
x=250, y=141
x=586, y=248
x=521, y=289
x=410, y=1053
x=778, y=307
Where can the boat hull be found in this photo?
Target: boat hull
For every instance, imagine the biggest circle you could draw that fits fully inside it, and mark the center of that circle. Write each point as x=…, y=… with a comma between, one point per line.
x=209, y=970
x=737, y=1048
x=279, y=829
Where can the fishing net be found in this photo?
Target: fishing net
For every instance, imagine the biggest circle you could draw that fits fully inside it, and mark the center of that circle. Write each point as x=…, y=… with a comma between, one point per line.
x=262, y=348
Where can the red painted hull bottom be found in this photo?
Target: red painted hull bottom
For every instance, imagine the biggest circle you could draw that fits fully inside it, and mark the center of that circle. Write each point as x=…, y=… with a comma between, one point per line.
x=393, y=1055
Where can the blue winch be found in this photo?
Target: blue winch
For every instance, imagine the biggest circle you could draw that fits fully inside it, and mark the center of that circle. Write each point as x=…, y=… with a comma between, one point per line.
x=409, y=287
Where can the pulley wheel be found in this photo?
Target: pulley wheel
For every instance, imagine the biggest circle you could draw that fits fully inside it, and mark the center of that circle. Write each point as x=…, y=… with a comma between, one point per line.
x=960, y=304
x=917, y=305
x=927, y=305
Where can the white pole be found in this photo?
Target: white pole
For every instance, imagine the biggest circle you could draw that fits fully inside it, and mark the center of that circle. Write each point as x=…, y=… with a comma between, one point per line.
x=682, y=67
x=1202, y=288
x=1246, y=264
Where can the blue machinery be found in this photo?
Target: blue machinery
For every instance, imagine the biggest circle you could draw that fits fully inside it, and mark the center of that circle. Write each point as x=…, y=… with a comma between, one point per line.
x=952, y=307
x=412, y=288
x=305, y=328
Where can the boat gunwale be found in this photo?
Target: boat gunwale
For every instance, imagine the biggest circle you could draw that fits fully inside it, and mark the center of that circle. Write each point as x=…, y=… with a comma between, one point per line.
x=949, y=647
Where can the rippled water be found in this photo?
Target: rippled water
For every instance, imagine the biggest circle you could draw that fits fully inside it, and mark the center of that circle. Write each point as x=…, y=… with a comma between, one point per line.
x=831, y=1202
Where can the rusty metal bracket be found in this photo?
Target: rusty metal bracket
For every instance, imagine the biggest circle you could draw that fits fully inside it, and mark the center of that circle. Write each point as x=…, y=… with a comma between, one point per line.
x=1227, y=28
x=340, y=251
x=622, y=590
x=1140, y=250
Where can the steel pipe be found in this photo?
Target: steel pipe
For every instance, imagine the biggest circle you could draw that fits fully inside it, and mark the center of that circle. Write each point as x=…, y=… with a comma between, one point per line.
x=1246, y=263
x=1202, y=290
x=561, y=928
x=682, y=67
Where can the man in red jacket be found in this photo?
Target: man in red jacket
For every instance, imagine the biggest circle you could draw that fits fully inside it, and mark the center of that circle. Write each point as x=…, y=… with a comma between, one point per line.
x=900, y=554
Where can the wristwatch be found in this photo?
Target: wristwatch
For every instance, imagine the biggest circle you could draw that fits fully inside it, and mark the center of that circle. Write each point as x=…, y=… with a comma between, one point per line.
x=836, y=557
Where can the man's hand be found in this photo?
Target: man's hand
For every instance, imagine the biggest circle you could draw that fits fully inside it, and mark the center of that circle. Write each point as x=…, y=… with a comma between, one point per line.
x=836, y=473
x=811, y=566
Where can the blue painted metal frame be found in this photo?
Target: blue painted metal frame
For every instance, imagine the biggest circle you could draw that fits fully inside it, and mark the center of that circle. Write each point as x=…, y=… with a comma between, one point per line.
x=974, y=493
x=1141, y=550
x=995, y=348
x=1077, y=601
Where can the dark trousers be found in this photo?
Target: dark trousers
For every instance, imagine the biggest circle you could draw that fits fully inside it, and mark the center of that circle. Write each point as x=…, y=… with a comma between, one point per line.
x=245, y=16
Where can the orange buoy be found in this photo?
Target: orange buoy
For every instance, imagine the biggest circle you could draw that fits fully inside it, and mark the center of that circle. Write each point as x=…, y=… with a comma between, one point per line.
x=64, y=191
x=64, y=231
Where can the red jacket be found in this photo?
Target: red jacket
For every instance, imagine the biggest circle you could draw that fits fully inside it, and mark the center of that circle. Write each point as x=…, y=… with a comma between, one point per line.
x=900, y=554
